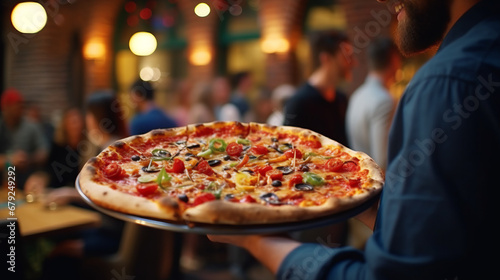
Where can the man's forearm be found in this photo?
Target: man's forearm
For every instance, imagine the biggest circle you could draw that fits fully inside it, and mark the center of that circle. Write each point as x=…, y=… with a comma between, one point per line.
x=270, y=250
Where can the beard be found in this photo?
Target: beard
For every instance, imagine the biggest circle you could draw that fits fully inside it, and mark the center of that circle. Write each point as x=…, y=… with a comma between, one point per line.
x=424, y=26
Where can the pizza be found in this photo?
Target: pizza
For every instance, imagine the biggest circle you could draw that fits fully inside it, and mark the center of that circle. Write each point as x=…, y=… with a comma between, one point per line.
x=230, y=173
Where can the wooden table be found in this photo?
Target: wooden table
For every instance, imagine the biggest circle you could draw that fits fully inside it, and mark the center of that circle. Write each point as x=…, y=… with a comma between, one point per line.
x=36, y=220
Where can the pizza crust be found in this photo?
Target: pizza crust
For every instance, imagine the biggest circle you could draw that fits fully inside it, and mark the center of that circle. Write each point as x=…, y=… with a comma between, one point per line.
x=106, y=197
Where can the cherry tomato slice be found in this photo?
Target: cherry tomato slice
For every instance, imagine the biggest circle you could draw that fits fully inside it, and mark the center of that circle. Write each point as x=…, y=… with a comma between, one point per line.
x=204, y=167
x=147, y=189
x=349, y=166
x=234, y=149
x=263, y=169
x=295, y=179
x=112, y=171
x=248, y=199
x=204, y=197
x=177, y=166
x=259, y=150
x=334, y=164
x=291, y=153
x=275, y=174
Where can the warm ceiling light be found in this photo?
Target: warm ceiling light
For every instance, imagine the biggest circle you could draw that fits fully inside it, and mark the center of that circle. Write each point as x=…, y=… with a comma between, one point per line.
x=94, y=50
x=202, y=10
x=28, y=17
x=142, y=43
x=275, y=45
x=200, y=57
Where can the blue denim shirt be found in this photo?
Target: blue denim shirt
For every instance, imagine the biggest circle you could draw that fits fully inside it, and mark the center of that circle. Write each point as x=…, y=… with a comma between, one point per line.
x=440, y=200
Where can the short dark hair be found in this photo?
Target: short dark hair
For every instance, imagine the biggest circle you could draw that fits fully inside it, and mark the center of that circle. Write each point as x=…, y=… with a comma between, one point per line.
x=380, y=51
x=238, y=77
x=143, y=88
x=328, y=41
x=105, y=107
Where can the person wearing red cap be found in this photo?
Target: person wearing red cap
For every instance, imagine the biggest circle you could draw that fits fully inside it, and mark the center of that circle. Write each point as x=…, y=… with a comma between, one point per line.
x=22, y=143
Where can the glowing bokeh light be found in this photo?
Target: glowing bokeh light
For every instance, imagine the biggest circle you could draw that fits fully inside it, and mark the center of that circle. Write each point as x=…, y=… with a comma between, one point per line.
x=200, y=57
x=142, y=43
x=202, y=10
x=29, y=17
x=94, y=50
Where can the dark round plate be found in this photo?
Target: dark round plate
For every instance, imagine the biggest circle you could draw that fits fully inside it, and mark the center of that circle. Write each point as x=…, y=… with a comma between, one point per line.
x=201, y=228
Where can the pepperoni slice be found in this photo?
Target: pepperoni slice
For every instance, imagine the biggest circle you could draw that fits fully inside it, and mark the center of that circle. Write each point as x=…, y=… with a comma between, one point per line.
x=334, y=164
x=112, y=171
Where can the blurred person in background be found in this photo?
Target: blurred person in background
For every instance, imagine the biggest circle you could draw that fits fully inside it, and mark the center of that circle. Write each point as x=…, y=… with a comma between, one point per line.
x=23, y=143
x=69, y=150
x=202, y=104
x=221, y=91
x=148, y=115
x=262, y=106
x=182, y=92
x=105, y=124
x=371, y=106
x=279, y=97
x=319, y=105
x=34, y=114
x=241, y=84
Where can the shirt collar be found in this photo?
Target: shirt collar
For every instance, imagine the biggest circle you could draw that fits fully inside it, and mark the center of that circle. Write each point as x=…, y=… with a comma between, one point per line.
x=474, y=15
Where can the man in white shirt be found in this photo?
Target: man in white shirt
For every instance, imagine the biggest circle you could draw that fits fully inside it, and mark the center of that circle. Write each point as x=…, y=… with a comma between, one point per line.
x=370, y=109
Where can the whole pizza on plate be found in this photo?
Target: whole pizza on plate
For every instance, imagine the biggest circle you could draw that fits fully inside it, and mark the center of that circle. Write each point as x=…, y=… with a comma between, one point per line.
x=230, y=173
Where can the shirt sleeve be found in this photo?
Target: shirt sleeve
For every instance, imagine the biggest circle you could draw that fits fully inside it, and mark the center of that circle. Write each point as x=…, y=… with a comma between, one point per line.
x=432, y=200
x=379, y=131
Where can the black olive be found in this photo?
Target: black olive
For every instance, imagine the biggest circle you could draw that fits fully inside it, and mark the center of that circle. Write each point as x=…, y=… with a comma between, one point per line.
x=303, y=187
x=229, y=196
x=136, y=158
x=183, y=197
x=248, y=171
x=150, y=169
x=252, y=157
x=271, y=198
x=193, y=146
x=214, y=162
x=285, y=169
x=274, y=139
x=276, y=183
x=245, y=148
x=304, y=168
x=188, y=158
x=226, y=158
